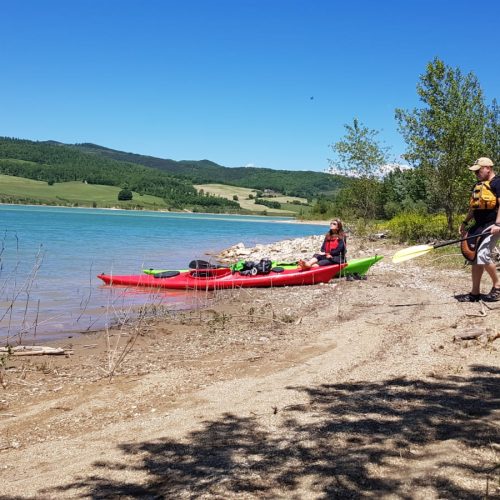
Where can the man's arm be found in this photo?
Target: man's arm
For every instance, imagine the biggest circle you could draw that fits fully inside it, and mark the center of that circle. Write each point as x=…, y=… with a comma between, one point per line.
x=496, y=227
x=468, y=218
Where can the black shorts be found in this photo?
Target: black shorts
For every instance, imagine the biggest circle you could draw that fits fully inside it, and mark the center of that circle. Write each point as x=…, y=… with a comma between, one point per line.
x=323, y=261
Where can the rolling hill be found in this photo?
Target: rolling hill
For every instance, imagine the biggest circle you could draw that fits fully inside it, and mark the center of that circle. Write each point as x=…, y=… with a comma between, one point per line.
x=170, y=180
x=303, y=184
x=53, y=163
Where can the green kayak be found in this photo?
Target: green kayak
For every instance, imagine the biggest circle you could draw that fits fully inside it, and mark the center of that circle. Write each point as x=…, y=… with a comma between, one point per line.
x=360, y=266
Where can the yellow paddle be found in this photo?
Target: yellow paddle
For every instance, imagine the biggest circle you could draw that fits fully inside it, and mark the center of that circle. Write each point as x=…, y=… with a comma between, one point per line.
x=419, y=250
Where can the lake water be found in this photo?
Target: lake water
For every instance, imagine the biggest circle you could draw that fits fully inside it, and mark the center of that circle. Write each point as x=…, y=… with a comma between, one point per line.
x=50, y=256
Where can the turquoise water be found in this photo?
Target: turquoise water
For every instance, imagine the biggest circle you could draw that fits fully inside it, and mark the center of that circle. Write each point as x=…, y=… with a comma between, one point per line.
x=50, y=256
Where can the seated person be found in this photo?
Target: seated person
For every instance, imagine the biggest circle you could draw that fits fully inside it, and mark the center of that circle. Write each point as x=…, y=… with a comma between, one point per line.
x=333, y=249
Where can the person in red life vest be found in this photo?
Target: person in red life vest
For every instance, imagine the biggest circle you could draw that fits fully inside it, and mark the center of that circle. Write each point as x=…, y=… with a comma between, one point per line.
x=484, y=210
x=333, y=249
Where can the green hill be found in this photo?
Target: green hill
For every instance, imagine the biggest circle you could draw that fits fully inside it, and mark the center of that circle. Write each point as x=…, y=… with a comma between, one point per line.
x=169, y=180
x=74, y=193
x=304, y=184
x=56, y=163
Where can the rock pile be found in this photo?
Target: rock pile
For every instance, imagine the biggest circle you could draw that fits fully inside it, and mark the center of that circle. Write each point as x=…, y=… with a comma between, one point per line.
x=286, y=251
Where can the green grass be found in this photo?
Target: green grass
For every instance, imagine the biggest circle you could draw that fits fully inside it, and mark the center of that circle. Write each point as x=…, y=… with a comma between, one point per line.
x=23, y=190
x=298, y=210
x=226, y=191
x=77, y=193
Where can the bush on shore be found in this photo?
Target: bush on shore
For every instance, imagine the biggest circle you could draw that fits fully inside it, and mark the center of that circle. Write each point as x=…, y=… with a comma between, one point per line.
x=417, y=227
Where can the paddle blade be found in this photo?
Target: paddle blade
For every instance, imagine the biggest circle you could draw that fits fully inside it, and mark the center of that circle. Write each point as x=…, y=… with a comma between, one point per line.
x=411, y=253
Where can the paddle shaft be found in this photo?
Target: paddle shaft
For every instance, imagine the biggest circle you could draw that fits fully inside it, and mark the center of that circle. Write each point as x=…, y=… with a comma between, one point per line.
x=439, y=245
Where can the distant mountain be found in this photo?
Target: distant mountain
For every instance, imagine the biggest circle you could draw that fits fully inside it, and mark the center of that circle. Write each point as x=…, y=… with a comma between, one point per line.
x=307, y=184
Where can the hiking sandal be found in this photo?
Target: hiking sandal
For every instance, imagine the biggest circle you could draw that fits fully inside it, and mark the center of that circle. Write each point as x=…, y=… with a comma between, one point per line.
x=468, y=297
x=493, y=296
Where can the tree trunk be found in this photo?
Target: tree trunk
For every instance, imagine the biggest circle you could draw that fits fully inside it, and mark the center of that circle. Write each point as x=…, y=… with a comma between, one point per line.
x=449, y=219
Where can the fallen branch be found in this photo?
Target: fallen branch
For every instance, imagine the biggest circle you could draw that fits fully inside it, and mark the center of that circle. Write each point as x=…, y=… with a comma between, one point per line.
x=415, y=304
x=493, y=336
x=480, y=335
x=480, y=314
x=33, y=350
x=491, y=308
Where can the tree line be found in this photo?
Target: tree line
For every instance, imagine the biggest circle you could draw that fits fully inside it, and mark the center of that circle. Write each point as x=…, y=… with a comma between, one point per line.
x=453, y=126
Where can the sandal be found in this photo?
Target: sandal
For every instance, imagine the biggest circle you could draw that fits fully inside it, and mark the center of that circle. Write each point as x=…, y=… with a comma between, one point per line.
x=358, y=276
x=468, y=297
x=493, y=296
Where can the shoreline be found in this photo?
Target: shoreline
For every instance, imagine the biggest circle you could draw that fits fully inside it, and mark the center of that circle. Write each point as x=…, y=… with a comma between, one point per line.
x=253, y=394
x=293, y=248
x=294, y=219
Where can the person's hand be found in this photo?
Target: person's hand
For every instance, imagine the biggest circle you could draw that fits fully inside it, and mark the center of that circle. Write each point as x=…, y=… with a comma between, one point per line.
x=495, y=229
x=461, y=229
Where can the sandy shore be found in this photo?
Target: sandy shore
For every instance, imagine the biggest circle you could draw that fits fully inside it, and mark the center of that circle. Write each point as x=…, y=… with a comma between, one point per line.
x=345, y=390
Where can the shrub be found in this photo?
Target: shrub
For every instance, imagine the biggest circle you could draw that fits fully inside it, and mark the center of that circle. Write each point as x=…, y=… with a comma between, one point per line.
x=414, y=227
x=125, y=195
x=268, y=203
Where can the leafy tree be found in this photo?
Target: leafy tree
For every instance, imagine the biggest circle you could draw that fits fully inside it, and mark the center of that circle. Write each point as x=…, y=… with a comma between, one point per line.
x=125, y=195
x=492, y=133
x=404, y=190
x=360, y=155
x=267, y=203
x=446, y=134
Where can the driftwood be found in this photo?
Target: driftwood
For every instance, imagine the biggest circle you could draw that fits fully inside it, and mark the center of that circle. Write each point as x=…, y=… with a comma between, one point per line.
x=481, y=335
x=468, y=336
x=32, y=350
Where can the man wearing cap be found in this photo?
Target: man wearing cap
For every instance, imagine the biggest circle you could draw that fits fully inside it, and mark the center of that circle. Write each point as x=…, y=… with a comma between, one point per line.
x=484, y=210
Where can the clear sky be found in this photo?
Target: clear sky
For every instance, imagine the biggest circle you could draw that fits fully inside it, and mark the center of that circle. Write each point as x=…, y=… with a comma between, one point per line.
x=268, y=83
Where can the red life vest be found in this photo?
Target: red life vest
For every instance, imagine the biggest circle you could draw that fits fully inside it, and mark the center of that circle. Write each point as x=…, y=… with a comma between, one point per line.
x=331, y=244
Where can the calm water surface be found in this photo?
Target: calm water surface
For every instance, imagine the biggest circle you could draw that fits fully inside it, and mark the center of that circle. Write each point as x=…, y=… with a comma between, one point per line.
x=50, y=256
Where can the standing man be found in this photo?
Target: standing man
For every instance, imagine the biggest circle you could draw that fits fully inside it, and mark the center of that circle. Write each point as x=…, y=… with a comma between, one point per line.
x=484, y=209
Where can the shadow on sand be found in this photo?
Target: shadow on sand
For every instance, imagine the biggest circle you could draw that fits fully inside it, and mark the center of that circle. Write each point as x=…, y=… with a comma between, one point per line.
x=349, y=440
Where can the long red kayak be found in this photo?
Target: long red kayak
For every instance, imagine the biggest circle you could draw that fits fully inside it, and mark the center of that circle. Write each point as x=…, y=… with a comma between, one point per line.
x=223, y=278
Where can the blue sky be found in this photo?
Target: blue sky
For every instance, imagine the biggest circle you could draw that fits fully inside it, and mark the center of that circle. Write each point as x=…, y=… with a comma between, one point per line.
x=268, y=83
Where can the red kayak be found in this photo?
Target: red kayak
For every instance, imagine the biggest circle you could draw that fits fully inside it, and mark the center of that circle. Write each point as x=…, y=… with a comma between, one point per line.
x=215, y=279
